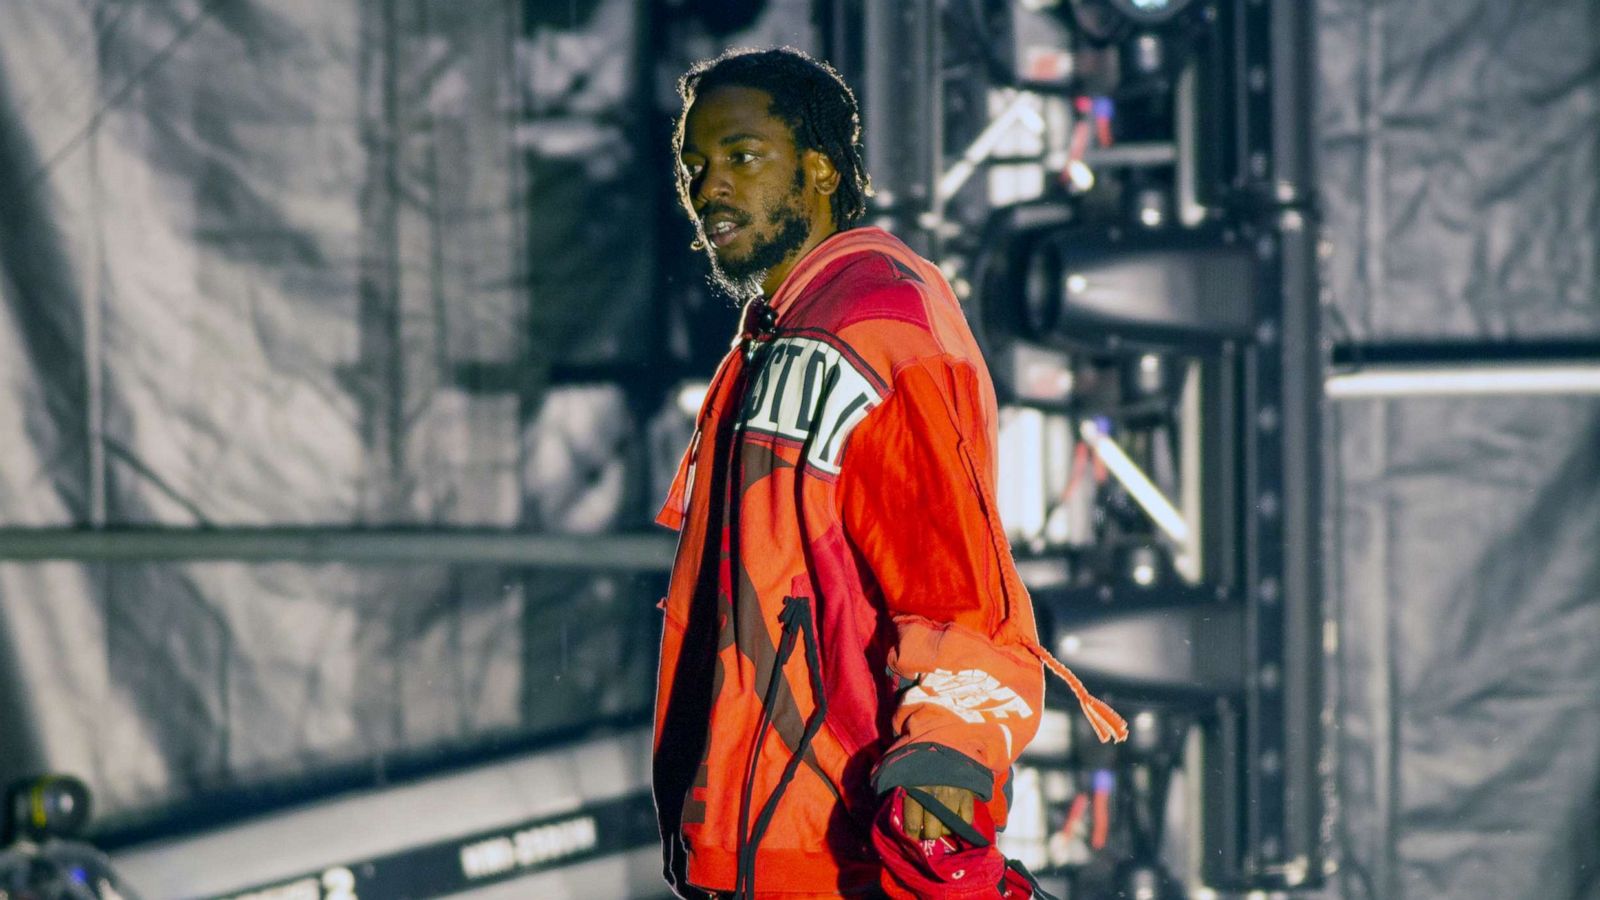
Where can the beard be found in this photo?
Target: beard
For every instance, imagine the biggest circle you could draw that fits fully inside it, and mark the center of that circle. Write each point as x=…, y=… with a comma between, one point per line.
x=741, y=277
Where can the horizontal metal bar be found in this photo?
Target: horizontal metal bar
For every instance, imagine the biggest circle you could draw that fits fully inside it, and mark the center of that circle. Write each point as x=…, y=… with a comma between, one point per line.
x=1137, y=155
x=610, y=552
x=1463, y=381
x=1457, y=352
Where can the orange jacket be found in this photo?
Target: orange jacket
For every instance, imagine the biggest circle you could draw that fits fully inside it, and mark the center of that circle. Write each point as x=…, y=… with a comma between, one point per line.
x=844, y=615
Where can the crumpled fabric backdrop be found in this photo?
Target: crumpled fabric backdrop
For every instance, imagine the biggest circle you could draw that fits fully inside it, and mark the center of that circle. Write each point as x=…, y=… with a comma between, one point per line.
x=1459, y=155
x=311, y=264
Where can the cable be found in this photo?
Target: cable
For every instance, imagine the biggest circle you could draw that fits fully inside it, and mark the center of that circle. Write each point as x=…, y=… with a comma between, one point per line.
x=1075, y=814
x=184, y=33
x=49, y=96
x=1104, y=781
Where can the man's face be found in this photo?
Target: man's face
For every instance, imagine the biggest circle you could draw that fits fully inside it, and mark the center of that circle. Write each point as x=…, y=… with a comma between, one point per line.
x=748, y=189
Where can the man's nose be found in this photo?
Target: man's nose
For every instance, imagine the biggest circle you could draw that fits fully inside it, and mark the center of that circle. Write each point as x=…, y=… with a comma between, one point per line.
x=714, y=185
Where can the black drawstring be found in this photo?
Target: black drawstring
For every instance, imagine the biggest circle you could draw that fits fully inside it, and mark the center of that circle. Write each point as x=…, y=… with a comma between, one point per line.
x=785, y=647
x=1033, y=882
x=796, y=617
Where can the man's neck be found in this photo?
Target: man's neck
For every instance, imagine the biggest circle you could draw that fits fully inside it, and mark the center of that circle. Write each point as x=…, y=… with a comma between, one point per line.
x=778, y=274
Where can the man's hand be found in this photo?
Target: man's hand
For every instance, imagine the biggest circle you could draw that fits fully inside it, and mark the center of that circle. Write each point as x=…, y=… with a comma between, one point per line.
x=925, y=826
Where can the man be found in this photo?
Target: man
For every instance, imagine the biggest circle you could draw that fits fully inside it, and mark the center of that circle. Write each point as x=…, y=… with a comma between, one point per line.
x=844, y=623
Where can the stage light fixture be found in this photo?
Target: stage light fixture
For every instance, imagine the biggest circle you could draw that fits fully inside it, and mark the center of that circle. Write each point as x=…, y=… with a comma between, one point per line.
x=1150, y=12
x=1151, y=207
x=1149, y=54
x=1106, y=21
x=1143, y=884
x=1147, y=376
x=1145, y=732
x=1157, y=280
x=1151, y=373
x=1144, y=565
x=1080, y=178
x=48, y=806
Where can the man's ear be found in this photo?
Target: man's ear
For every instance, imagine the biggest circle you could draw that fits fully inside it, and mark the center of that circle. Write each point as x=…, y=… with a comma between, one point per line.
x=823, y=174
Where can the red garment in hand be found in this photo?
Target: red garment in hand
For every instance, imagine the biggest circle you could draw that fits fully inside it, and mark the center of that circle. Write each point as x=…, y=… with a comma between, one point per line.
x=947, y=868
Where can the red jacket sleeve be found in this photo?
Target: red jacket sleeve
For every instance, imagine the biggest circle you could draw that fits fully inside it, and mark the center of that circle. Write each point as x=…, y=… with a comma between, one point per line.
x=918, y=501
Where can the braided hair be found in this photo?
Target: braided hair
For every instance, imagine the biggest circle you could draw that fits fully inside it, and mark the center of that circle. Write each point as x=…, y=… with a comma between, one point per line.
x=808, y=96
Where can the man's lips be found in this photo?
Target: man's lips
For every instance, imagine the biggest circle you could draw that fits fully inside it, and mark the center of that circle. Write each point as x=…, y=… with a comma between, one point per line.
x=722, y=238
x=721, y=228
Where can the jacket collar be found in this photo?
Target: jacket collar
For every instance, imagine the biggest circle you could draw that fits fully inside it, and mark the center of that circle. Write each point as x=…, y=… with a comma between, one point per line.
x=837, y=245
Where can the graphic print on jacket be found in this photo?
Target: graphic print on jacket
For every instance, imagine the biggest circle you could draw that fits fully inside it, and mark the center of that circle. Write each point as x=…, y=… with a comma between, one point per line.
x=814, y=403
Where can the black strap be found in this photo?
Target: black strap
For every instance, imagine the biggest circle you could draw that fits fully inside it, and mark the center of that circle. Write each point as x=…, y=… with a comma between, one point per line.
x=796, y=619
x=797, y=612
x=952, y=820
x=1033, y=882
x=763, y=725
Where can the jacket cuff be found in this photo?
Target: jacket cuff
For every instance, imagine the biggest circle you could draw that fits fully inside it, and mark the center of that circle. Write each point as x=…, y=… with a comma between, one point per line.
x=926, y=763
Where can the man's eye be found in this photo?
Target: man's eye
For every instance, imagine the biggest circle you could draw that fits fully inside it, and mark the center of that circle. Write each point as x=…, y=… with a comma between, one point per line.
x=744, y=156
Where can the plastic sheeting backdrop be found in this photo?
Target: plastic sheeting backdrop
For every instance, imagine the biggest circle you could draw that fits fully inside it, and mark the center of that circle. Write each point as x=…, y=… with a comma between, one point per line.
x=259, y=262
x=1460, y=175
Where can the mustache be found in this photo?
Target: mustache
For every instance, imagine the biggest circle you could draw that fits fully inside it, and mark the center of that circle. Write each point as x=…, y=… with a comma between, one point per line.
x=739, y=217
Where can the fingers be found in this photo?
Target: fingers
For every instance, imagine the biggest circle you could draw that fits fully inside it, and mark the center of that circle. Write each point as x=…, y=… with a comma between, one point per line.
x=914, y=818
x=921, y=825
x=932, y=827
x=925, y=826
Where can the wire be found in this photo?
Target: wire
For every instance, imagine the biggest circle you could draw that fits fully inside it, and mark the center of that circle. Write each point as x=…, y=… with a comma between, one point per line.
x=1075, y=813
x=1080, y=462
x=120, y=94
x=50, y=95
x=1103, y=782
